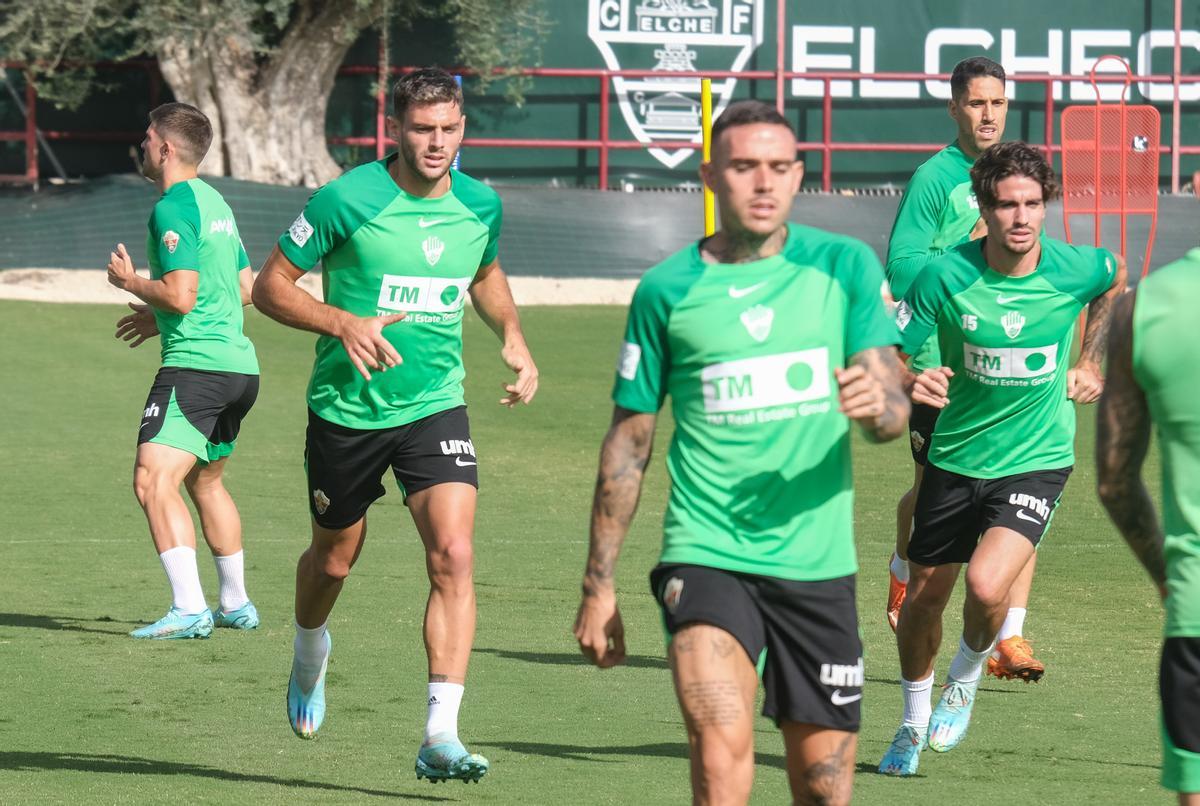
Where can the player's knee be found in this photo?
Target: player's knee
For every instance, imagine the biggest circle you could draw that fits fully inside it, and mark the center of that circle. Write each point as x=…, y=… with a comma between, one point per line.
x=149, y=484
x=986, y=589
x=452, y=558
x=725, y=771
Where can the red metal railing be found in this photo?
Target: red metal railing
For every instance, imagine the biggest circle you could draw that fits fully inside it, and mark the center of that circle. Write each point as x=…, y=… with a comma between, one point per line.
x=604, y=144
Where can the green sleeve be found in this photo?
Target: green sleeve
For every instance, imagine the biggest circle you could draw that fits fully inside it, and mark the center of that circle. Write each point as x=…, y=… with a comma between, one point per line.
x=485, y=204
x=1105, y=271
x=176, y=230
x=867, y=323
x=916, y=226
x=243, y=258
x=645, y=359
x=919, y=310
x=335, y=212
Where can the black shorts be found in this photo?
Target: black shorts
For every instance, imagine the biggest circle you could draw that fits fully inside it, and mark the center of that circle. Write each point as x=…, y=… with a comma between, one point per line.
x=920, y=430
x=345, y=465
x=1178, y=687
x=813, y=671
x=197, y=410
x=954, y=511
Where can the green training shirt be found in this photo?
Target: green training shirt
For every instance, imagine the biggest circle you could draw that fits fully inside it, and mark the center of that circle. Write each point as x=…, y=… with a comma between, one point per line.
x=384, y=251
x=192, y=228
x=760, y=459
x=1008, y=341
x=1165, y=334
x=937, y=212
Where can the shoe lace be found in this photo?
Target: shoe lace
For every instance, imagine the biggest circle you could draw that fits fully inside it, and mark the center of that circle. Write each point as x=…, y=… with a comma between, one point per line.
x=957, y=694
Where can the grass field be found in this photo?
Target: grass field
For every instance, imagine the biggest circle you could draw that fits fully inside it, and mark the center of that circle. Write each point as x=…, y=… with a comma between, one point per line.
x=89, y=715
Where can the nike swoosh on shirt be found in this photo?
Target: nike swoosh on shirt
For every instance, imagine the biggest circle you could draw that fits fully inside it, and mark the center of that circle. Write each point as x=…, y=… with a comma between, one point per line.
x=423, y=224
x=458, y=461
x=1003, y=300
x=1021, y=514
x=837, y=699
x=738, y=293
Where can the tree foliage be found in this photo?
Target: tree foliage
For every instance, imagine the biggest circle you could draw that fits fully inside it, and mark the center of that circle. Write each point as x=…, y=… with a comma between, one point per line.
x=59, y=39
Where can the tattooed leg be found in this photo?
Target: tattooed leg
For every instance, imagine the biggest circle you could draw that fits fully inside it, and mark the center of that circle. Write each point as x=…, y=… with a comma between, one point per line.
x=820, y=763
x=716, y=683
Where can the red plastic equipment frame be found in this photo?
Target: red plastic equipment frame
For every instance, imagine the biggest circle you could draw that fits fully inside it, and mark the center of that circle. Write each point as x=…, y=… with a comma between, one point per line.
x=1110, y=162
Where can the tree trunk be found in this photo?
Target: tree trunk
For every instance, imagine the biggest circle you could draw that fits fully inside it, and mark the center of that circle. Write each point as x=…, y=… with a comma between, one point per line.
x=267, y=112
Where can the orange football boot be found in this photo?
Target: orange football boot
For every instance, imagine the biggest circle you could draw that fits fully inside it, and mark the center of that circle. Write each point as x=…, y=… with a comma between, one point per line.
x=1015, y=661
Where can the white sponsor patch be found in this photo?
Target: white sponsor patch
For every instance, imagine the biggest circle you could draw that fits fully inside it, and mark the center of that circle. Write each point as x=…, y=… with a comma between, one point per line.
x=320, y=501
x=904, y=315
x=430, y=294
x=769, y=380
x=1010, y=362
x=631, y=357
x=672, y=593
x=300, y=230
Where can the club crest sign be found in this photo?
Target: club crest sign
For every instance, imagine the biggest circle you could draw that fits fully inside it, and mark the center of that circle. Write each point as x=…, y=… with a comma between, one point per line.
x=673, y=36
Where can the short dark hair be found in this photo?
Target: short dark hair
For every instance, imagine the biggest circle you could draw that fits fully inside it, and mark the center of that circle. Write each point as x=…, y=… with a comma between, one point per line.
x=429, y=85
x=186, y=127
x=1003, y=160
x=969, y=69
x=743, y=113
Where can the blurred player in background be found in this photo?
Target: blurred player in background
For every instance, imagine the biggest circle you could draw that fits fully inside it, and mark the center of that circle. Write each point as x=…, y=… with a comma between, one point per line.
x=939, y=211
x=1154, y=377
x=199, y=280
x=771, y=339
x=1004, y=312
x=402, y=242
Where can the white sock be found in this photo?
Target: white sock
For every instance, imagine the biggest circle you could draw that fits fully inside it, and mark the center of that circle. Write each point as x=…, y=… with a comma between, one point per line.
x=899, y=568
x=231, y=577
x=917, y=707
x=1014, y=623
x=968, y=664
x=444, y=699
x=312, y=649
x=180, y=565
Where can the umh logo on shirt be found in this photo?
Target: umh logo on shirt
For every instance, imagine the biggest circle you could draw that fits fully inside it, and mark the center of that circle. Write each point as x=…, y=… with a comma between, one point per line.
x=768, y=381
x=427, y=294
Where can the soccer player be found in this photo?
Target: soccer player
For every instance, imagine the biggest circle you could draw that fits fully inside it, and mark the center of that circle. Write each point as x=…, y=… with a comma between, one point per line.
x=1154, y=376
x=937, y=212
x=1004, y=311
x=770, y=338
x=402, y=242
x=199, y=280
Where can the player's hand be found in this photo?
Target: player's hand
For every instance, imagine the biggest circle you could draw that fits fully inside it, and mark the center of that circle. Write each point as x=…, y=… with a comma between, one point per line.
x=138, y=326
x=362, y=338
x=599, y=630
x=522, y=390
x=860, y=395
x=932, y=386
x=978, y=231
x=120, y=267
x=1084, y=383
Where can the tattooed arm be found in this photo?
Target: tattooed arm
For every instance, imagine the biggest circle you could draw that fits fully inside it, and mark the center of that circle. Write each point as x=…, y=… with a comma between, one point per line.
x=623, y=459
x=871, y=393
x=1122, y=438
x=1085, y=381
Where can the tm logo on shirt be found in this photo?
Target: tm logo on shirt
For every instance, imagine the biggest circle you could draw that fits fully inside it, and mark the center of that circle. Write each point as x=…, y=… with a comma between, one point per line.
x=439, y=295
x=766, y=388
x=1010, y=366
